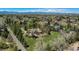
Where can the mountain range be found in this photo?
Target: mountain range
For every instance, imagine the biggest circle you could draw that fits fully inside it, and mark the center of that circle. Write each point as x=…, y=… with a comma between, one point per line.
x=16, y=12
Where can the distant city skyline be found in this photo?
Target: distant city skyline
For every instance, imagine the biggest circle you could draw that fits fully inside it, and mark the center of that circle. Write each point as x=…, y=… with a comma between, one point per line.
x=61, y=10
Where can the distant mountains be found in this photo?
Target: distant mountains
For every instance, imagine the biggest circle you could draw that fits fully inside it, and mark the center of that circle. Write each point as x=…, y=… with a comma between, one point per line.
x=16, y=12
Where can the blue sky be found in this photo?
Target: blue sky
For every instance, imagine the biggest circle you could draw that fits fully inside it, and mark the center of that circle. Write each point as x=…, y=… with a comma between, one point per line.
x=62, y=10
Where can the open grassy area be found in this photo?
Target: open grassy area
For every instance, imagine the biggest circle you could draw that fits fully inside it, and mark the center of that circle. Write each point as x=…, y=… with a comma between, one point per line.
x=46, y=39
x=51, y=37
x=31, y=42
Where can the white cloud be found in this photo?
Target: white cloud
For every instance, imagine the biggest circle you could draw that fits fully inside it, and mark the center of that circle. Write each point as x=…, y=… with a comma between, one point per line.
x=43, y=10
x=55, y=10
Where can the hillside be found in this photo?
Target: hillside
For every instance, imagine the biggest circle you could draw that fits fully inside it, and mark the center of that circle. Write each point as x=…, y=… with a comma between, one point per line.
x=42, y=32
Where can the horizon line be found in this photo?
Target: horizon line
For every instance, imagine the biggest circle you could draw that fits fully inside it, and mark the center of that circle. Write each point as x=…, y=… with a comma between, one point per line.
x=57, y=10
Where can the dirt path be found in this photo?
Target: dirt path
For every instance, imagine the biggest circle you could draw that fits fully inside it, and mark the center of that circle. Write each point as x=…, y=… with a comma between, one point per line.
x=19, y=45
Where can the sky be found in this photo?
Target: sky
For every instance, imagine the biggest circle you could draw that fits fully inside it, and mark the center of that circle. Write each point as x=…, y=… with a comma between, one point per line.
x=61, y=10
